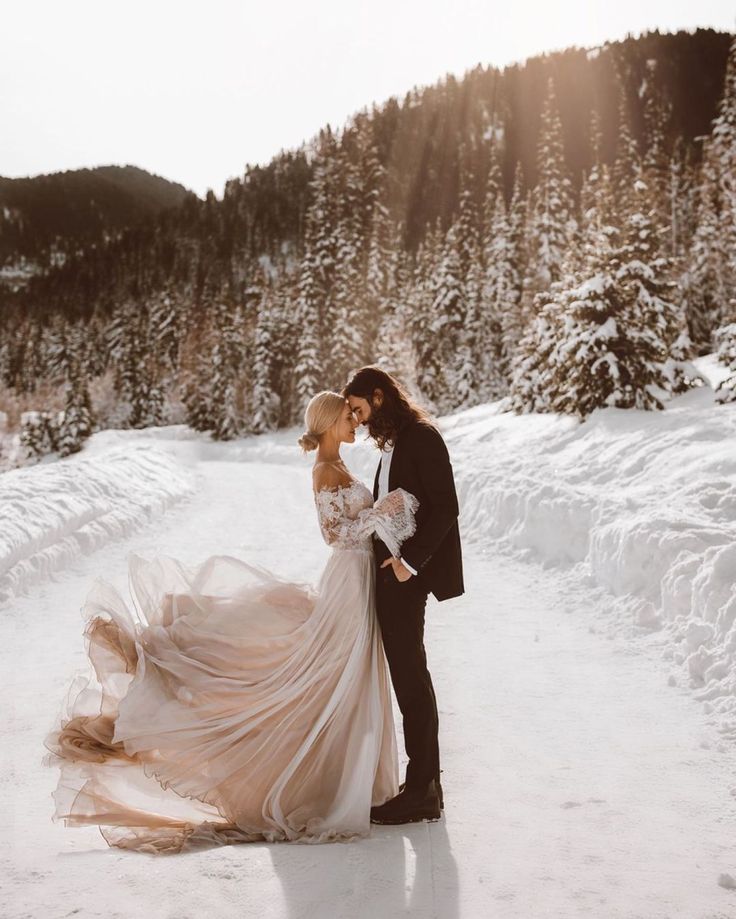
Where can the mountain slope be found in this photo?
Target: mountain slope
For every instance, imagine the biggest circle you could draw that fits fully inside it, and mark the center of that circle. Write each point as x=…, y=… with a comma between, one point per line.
x=62, y=210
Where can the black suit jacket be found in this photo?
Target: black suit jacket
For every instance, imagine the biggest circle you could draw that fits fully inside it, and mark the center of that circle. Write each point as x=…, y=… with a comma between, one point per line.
x=421, y=465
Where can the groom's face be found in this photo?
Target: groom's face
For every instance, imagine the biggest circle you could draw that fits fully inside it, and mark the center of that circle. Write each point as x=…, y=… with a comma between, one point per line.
x=361, y=408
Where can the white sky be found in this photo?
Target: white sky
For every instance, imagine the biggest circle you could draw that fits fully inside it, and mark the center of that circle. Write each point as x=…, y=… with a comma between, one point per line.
x=194, y=91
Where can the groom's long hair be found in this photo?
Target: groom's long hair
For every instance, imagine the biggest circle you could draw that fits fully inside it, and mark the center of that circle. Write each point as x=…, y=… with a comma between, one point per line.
x=397, y=410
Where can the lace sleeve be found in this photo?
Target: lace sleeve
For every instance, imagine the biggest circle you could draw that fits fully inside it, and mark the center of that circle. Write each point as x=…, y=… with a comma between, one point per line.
x=338, y=529
x=393, y=520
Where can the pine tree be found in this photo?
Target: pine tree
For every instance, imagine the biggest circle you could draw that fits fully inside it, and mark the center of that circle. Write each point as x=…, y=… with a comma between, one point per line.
x=315, y=306
x=655, y=162
x=309, y=363
x=723, y=152
x=116, y=341
x=77, y=422
x=31, y=438
x=465, y=320
x=39, y=433
x=425, y=323
x=588, y=348
x=467, y=378
x=447, y=312
x=5, y=363
x=166, y=329
x=31, y=368
x=627, y=162
x=724, y=339
x=493, y=190
x=681, y=202
x=59, y=356
x=552, y=221
x=94, y=355
x=726, y=390
x=285, y=342
x=225, y=373
x=500, y=320
x=393, y=348
x=137, y=375
x=196, y=396
x=225, y=421
x=348, y=328
x=648, y=276
x=533, y=367
x=382, y=278
x=614, y=338
x=266, y=402
x=710, y=278
x=145, y=392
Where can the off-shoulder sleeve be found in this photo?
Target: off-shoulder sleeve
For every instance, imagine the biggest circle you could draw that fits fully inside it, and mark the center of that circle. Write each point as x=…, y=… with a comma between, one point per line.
x=338, y=529
x=391, y=519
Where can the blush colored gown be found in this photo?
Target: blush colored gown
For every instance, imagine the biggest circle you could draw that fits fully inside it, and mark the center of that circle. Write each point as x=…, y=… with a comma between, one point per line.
x=229, y=705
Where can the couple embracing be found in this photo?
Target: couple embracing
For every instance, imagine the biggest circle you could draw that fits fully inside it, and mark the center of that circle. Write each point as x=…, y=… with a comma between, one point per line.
x=241, y=706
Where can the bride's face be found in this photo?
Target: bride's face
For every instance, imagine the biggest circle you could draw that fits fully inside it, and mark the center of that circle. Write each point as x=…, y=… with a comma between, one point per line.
x=345, y=426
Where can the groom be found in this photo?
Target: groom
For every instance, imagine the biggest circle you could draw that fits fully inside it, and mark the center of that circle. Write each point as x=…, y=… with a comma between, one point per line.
x=413, y=457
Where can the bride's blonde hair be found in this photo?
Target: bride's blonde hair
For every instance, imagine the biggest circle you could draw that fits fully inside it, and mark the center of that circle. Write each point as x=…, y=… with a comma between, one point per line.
x=322, y=412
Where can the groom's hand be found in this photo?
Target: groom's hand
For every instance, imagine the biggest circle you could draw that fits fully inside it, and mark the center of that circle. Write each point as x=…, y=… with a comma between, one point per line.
x=402, y=574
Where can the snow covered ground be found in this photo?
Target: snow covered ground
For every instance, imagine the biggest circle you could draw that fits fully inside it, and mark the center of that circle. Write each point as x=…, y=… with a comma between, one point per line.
x=639, y=507
x=585, y=681
x=55, y=512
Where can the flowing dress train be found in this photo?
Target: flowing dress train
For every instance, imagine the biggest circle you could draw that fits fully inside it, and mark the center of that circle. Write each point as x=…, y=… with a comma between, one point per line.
x=229, y=705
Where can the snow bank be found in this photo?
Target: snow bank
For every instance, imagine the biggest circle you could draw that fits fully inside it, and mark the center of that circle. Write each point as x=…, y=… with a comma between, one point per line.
x=641, y=505
x=51, y=514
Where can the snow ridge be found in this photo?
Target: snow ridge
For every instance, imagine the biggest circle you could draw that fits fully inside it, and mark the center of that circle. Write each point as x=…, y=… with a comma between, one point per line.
x=54, y=513
x=639, y=506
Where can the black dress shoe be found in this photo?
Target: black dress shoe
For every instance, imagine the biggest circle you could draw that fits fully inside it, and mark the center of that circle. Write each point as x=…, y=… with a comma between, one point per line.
x=439, y=789
x=409, y=806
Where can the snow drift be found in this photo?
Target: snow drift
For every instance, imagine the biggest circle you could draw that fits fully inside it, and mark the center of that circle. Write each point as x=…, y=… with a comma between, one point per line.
x=52, y=513
x=639, y=504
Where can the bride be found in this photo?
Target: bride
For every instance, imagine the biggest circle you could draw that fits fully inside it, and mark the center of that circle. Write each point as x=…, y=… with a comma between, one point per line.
x=230, y=705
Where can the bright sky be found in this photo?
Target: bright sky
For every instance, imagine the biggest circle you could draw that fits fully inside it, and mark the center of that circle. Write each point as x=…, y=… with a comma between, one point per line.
x=194, y=91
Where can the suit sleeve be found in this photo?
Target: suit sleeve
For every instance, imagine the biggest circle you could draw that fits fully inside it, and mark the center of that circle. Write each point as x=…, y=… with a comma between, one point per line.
x=434, y=471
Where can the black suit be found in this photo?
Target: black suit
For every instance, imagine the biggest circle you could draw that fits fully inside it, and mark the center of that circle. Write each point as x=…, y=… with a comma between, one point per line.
x=421, y=465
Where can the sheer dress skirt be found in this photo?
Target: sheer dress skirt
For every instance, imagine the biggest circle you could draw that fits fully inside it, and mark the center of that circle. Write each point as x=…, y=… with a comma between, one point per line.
x=228, y=705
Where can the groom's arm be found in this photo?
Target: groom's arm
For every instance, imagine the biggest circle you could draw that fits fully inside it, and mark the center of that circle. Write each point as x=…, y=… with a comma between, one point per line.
x=434, y=470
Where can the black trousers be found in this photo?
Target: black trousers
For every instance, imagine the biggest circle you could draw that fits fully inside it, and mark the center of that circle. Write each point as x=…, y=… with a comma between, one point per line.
x=400, y=607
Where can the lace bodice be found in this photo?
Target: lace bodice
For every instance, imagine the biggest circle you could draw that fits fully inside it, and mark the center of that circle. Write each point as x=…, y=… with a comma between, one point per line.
x=348, y=517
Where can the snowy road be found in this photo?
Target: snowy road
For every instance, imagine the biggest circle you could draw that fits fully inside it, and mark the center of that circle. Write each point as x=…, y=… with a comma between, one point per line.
x=577, y=782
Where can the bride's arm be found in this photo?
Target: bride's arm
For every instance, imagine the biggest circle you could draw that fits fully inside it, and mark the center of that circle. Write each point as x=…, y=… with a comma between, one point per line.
x=337, y=528
x=391, y=518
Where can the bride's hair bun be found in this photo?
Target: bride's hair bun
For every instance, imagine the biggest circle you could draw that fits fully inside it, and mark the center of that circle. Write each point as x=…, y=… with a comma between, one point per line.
x=322, y=412
x=308, y=441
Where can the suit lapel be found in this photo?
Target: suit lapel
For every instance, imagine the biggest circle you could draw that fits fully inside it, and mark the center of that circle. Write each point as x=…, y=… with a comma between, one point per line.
x=395, y=468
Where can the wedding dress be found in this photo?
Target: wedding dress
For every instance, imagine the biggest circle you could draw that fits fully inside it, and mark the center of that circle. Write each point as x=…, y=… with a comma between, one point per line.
x=230, y=705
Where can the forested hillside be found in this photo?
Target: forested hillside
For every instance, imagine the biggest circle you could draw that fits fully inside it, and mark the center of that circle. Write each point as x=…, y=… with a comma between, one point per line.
x=47, y=218
x=559, y=234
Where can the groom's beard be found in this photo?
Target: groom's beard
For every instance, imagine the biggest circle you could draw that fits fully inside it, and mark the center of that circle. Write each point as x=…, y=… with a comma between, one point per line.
x=379, y=426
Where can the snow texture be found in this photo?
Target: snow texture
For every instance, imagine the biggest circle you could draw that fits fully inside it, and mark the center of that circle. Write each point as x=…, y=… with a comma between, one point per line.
x=55, y=512
x=639, y=504
x=580, y=778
